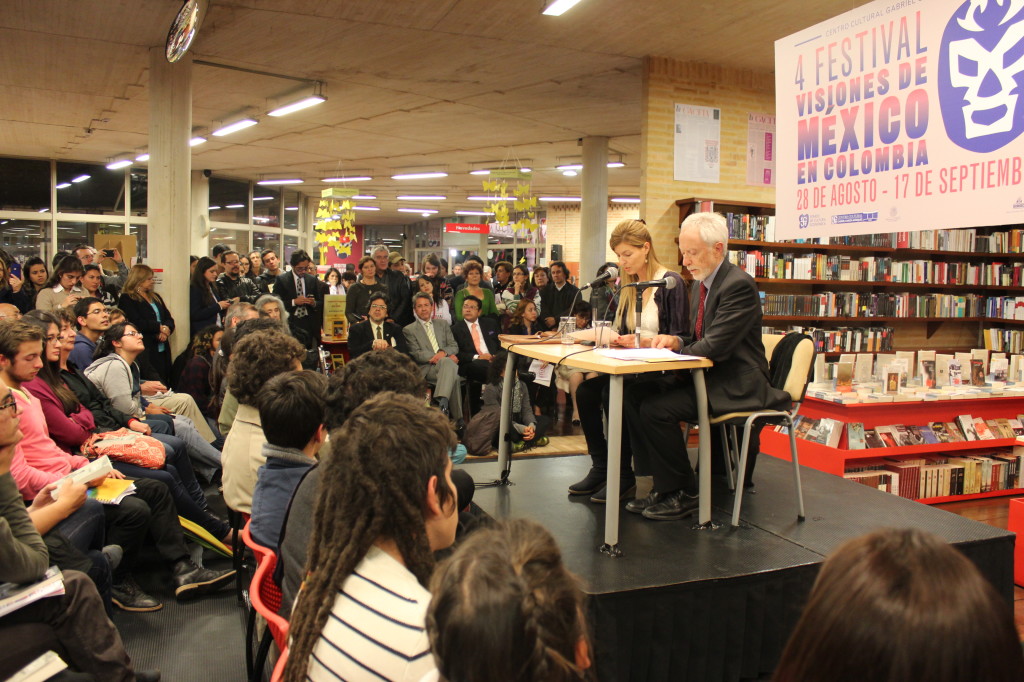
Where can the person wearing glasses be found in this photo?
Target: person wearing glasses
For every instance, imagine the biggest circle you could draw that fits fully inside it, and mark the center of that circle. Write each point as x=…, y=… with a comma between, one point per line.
x=376, y=333
x=232, y=285
x=300, y=291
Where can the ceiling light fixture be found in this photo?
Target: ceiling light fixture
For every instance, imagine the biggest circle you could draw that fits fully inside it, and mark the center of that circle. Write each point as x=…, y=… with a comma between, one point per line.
x=419, y=176
x=474, y=213
x=281, y=181
x=80, y=178
x=364, y=197
x=625, y=200
x=142, y=158
x=559, y=7
x=241, y=124
x=351, y=178
x=561, y=199
x=196, y=141
x=421, y=197
x=44, y=210
x=570, y=166
x=570, y=173
x=416, y=210
x=365, y=208
x=235, y=206
x=291, y=208
x=297, y=105
x=215, y=208
x=482, y=171
x=262, y=198
x=616, y=164
x=490, y=198
x=64, y=185
x=121, y=163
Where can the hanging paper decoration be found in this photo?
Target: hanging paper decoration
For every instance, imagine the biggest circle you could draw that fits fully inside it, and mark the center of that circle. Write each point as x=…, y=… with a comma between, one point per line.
x=524, y=205
x=334, y=225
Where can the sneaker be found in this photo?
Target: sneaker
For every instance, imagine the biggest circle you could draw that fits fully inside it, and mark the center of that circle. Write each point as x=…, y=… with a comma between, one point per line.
x=128, y=596
x=191, y=580
x=541, y=442
x=518, y=445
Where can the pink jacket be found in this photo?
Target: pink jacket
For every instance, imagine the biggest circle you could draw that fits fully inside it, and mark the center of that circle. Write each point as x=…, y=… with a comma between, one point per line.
x=37, y=459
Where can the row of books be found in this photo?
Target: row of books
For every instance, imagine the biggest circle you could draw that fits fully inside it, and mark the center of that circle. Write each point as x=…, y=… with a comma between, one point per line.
x=1004, y=340
x=843, y=339
x=829, y=432
x=940, y=476
x=964, y=240
x=866, y=304
x=840, y=268
x=747, y=226
x=1005, y=307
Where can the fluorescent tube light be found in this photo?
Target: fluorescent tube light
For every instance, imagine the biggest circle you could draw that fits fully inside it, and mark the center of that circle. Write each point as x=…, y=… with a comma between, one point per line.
x=625, y=200
x=365, y=208
x=562, y=199
x=81, y=178
x=421, y=197
x=570, y=173
x=235, y=127
x=297, y=105
x=142, y=158
x=616, y=164
x=114, y=165
x=281, y=181
x=196, y=141
x=416, y=210
x=352, y=178
x=365, y=197
x=291, y=208
x=559, y=7
x=419, y=176
x=474, y=213
x=480, y=172
x=215, y=208
x=262, y=198
x=235, y=206
x=491, y=198
x=64, y=185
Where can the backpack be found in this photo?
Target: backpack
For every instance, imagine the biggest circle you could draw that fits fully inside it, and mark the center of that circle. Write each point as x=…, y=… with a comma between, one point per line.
x=482, y=431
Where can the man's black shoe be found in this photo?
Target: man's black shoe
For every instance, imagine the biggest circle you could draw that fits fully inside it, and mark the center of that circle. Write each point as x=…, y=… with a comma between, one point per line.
x=627, y=488
x=638, y=505
x=672, y=507
x=147, y=675
x=591, y=483
x=192, y=581
x=442, y=404
x=128, y=596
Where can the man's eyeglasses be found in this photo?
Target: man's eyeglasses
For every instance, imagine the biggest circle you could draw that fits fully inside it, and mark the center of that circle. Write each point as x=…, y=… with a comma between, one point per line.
x=97, y=311
x=379, y=307
x=302, y=269
x=9, y=404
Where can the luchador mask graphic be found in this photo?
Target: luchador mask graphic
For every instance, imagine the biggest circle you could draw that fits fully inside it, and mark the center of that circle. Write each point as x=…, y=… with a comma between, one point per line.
x=981, y=74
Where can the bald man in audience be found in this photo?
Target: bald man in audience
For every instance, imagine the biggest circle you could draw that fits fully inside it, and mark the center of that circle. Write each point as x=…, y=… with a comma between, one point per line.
x=9, y=312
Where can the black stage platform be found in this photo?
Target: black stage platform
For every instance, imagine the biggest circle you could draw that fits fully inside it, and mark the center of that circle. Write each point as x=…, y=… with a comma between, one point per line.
x=684, y=604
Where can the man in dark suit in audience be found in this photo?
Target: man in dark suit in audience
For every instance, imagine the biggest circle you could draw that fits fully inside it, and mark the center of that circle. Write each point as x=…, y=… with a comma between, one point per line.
x=563, y=295
x=478, y=343
x=301, y=295
x=433, y=348
x=376, y=333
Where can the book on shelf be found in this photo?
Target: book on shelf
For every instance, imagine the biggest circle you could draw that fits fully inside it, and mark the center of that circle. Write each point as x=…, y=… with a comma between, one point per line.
x=927, y=372
x=928, y=435
x=977, y=373
x=956, y=377
x=855, y=436
x=956, y=435
x=981, y=427
x=1000, y=369
x=942, y=361
x=888, y=436
x=873, y=440
x=14, y=596
x=966, y=424
x=844, y=377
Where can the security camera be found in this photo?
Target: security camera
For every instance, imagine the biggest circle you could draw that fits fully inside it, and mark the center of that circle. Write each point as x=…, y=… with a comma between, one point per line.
x=207, y=172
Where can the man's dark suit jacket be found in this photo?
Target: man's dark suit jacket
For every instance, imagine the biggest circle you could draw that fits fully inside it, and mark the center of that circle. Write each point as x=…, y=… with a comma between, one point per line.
x=360, y=338
x=467, y=349
x=312, y=320
x=732, y=340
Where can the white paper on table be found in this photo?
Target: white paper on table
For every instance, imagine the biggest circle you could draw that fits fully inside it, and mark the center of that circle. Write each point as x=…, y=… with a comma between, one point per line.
x=646, y=354
x=543, y=372
x=591, y=335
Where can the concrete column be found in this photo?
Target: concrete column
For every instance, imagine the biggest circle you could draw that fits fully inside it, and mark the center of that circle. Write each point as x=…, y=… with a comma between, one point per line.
x=170, y=184
x=199, y=244
x=594, y=208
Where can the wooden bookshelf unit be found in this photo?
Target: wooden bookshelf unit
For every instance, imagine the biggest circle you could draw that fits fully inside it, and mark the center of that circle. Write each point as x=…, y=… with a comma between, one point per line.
x=834, y=460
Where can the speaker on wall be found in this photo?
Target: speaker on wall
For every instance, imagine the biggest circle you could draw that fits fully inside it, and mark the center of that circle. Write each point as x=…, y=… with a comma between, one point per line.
x=556, y=253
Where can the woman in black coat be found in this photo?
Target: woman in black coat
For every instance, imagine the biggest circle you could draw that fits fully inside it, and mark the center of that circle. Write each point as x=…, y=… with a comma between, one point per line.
x=204, y=308
x=146, y=311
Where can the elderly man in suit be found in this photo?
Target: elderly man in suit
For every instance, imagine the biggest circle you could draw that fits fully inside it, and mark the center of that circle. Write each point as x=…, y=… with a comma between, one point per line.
x=376, y=333
x=478, y=343
x=301, y=295
x=725, y=329
x=433, y=348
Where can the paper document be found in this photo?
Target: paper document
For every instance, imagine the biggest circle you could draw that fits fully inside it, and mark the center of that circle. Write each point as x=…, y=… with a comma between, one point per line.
x=100, y=466
x=543, y=371
x=645, y=354
x=13, y=597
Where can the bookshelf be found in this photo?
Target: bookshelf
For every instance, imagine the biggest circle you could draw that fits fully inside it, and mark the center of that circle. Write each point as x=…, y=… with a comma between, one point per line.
x=930, y=289
x=837, y=460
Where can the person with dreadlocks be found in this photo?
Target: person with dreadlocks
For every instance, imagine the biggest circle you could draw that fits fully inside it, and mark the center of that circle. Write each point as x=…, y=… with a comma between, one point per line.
x=361, y=613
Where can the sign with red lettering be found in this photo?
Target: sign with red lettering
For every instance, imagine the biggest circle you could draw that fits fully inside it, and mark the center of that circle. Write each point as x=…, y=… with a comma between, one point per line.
x=466, y=228
x=901, y=115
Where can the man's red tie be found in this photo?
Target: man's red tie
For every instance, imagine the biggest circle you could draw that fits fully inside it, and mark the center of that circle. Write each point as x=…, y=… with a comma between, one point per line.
x=699, y=329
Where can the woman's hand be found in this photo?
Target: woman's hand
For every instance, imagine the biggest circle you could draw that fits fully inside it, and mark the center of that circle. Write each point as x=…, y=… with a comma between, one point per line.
x=16, y=282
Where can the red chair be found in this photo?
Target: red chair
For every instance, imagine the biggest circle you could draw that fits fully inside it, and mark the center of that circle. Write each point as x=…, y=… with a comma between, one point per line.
x=265, y=597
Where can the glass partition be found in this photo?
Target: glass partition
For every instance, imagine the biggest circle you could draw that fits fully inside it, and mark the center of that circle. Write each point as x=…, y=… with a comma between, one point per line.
x=138, y=182
x=24, y=184
x=266, y=206
x=88, y=188
x=141, y=233
x=26, y=238
x=229, y=200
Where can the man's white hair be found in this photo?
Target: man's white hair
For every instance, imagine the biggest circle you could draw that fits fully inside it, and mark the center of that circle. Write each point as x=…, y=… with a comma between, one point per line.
x=711, y=227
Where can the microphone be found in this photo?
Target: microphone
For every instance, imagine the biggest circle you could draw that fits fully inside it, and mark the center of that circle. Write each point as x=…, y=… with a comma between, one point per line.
x=667, y=282
x=610, y=273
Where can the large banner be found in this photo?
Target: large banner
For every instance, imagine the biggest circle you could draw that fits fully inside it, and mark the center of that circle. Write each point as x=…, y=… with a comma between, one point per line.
x=901, y=115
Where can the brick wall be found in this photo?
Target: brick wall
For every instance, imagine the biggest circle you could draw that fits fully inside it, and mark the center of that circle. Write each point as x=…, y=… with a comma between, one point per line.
x=563, y=222
x=737, y=93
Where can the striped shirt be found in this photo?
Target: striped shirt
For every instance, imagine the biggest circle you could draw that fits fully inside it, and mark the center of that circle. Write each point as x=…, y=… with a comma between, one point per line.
x=376, y=630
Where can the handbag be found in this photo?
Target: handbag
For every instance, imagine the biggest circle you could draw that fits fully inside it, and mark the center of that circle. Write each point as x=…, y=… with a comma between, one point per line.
x=125, y=445
x=482, y=430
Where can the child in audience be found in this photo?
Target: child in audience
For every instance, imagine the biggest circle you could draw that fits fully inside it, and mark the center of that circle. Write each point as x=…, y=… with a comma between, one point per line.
x=386, y=503
x=528, y=429
x=902, y=604
x=506, y=590
x=583, y=313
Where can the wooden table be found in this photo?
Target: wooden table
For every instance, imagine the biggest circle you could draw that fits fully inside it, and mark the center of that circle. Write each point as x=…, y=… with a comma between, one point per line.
x=582, y=357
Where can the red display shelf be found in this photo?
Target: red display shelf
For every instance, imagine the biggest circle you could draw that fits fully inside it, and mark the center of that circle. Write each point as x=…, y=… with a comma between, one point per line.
x=974, y=496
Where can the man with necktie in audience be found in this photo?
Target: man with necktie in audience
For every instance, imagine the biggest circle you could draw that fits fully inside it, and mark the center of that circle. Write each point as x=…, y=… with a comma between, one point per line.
x=434, y=349
x=478, y=343
x=376, y=333
x=301, y=295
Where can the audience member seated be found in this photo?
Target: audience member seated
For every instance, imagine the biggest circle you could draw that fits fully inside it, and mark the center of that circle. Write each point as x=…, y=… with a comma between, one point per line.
x=204, y=304
x=34, y=273
x=145, y=310
x=530, y=430
x=515, y=292
x=73, y=427
x=195, y=377
x=38, y=463
x=357, y=299
x=231, y=285
x=116, y=374
x=377, y=520
x=92, y=283
x=559, y=295
x=473, y=272
x=270, y=307
x=376, y=333
x=506, y=590
x=427, y=285
x=62, y=290
x=477, y=338
x=74, y=622
x=255, y=360
x=223, y=402
x=9, y=311
x=901, y=604
x=526, y=319
x=291, y=408
x=433, y=348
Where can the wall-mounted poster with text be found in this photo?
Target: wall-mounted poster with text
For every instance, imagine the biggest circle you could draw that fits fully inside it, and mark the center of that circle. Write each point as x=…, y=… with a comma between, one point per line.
x=901, y=115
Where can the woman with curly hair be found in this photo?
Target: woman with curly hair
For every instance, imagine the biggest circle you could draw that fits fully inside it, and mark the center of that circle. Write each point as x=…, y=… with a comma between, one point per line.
x=378, y=519
x=255, y=359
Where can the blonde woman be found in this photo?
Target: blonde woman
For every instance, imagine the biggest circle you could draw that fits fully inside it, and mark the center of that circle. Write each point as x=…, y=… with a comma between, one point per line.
x=665, y=311
x=146, y=311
